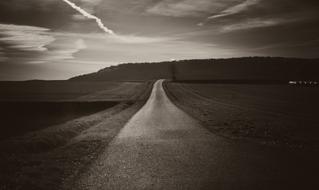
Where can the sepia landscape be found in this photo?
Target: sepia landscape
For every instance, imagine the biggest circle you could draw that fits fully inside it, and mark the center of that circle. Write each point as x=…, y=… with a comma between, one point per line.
x=146, y=105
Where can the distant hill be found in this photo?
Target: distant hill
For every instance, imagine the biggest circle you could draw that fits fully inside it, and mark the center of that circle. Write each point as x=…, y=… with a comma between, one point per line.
x=233, y=69
x=130, y=72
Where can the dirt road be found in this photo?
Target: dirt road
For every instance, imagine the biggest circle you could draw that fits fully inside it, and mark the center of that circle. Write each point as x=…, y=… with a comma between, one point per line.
x=162, y=147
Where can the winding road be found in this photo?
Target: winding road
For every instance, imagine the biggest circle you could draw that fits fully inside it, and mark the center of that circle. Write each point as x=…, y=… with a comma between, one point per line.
x=162, y=147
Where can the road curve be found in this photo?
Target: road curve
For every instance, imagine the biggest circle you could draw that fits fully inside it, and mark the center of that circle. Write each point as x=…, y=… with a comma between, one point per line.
x=161, y=147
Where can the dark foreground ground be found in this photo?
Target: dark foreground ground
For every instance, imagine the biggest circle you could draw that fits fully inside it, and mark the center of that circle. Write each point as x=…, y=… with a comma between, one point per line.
x=53, y=130
x=273, y=114
x=32, y=105
x=17, y=118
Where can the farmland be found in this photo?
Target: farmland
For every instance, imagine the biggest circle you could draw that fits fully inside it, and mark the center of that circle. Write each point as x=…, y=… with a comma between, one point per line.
x=53, y=130
x=65, y=90
x=272, y=114
x=39, y=104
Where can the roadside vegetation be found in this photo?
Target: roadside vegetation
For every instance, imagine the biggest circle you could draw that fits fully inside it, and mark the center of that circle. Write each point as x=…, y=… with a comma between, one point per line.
x=272, y=114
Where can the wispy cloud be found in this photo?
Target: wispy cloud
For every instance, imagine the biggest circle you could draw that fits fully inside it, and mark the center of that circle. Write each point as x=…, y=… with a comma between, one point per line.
x=255, y=23
x=89, y=16
x=30, y=44
x=186, y=8
x=2, y=56
x=27, y=38
x=240, y=7
x=38, y=45
x=133, y=39
x=89, y=5
x=65, y=50
x=235, y=9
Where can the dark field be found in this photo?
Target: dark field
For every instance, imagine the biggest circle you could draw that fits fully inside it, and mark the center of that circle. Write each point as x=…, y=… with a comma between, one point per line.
x=275, y=114
x=17, y=118
x=66, y=90
x=56, y=138
x=49, y=90
x=32, y=105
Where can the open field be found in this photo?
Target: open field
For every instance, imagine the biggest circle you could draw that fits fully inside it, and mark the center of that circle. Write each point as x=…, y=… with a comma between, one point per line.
x=39, y=104
x=67, y=91
x=275, y=114
x=54, y=155
x=20, y=117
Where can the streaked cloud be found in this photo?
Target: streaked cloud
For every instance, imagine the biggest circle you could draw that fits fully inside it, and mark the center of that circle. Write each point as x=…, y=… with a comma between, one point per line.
x=89, y=16
x=88, y=5
x=30, y=44
x=119, y=38
x=63, y=51
x=188, y=8
x=254, y=23
x=27, y=38
x=133, y=39
x=38, y=45
x=2, y=56
x=235, y=9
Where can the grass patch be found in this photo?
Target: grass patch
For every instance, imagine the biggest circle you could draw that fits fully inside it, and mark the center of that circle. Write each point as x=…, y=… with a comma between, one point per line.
x=272, y=114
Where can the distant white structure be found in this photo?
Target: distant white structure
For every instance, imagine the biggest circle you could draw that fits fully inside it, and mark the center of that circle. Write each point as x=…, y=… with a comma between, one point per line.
x=303, y=82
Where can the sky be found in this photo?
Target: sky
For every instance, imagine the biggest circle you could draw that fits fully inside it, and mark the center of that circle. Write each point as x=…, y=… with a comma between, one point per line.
x=58, y=39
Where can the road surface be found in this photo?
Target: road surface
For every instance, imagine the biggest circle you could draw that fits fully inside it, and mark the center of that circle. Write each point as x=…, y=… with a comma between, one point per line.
x=161, y=147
